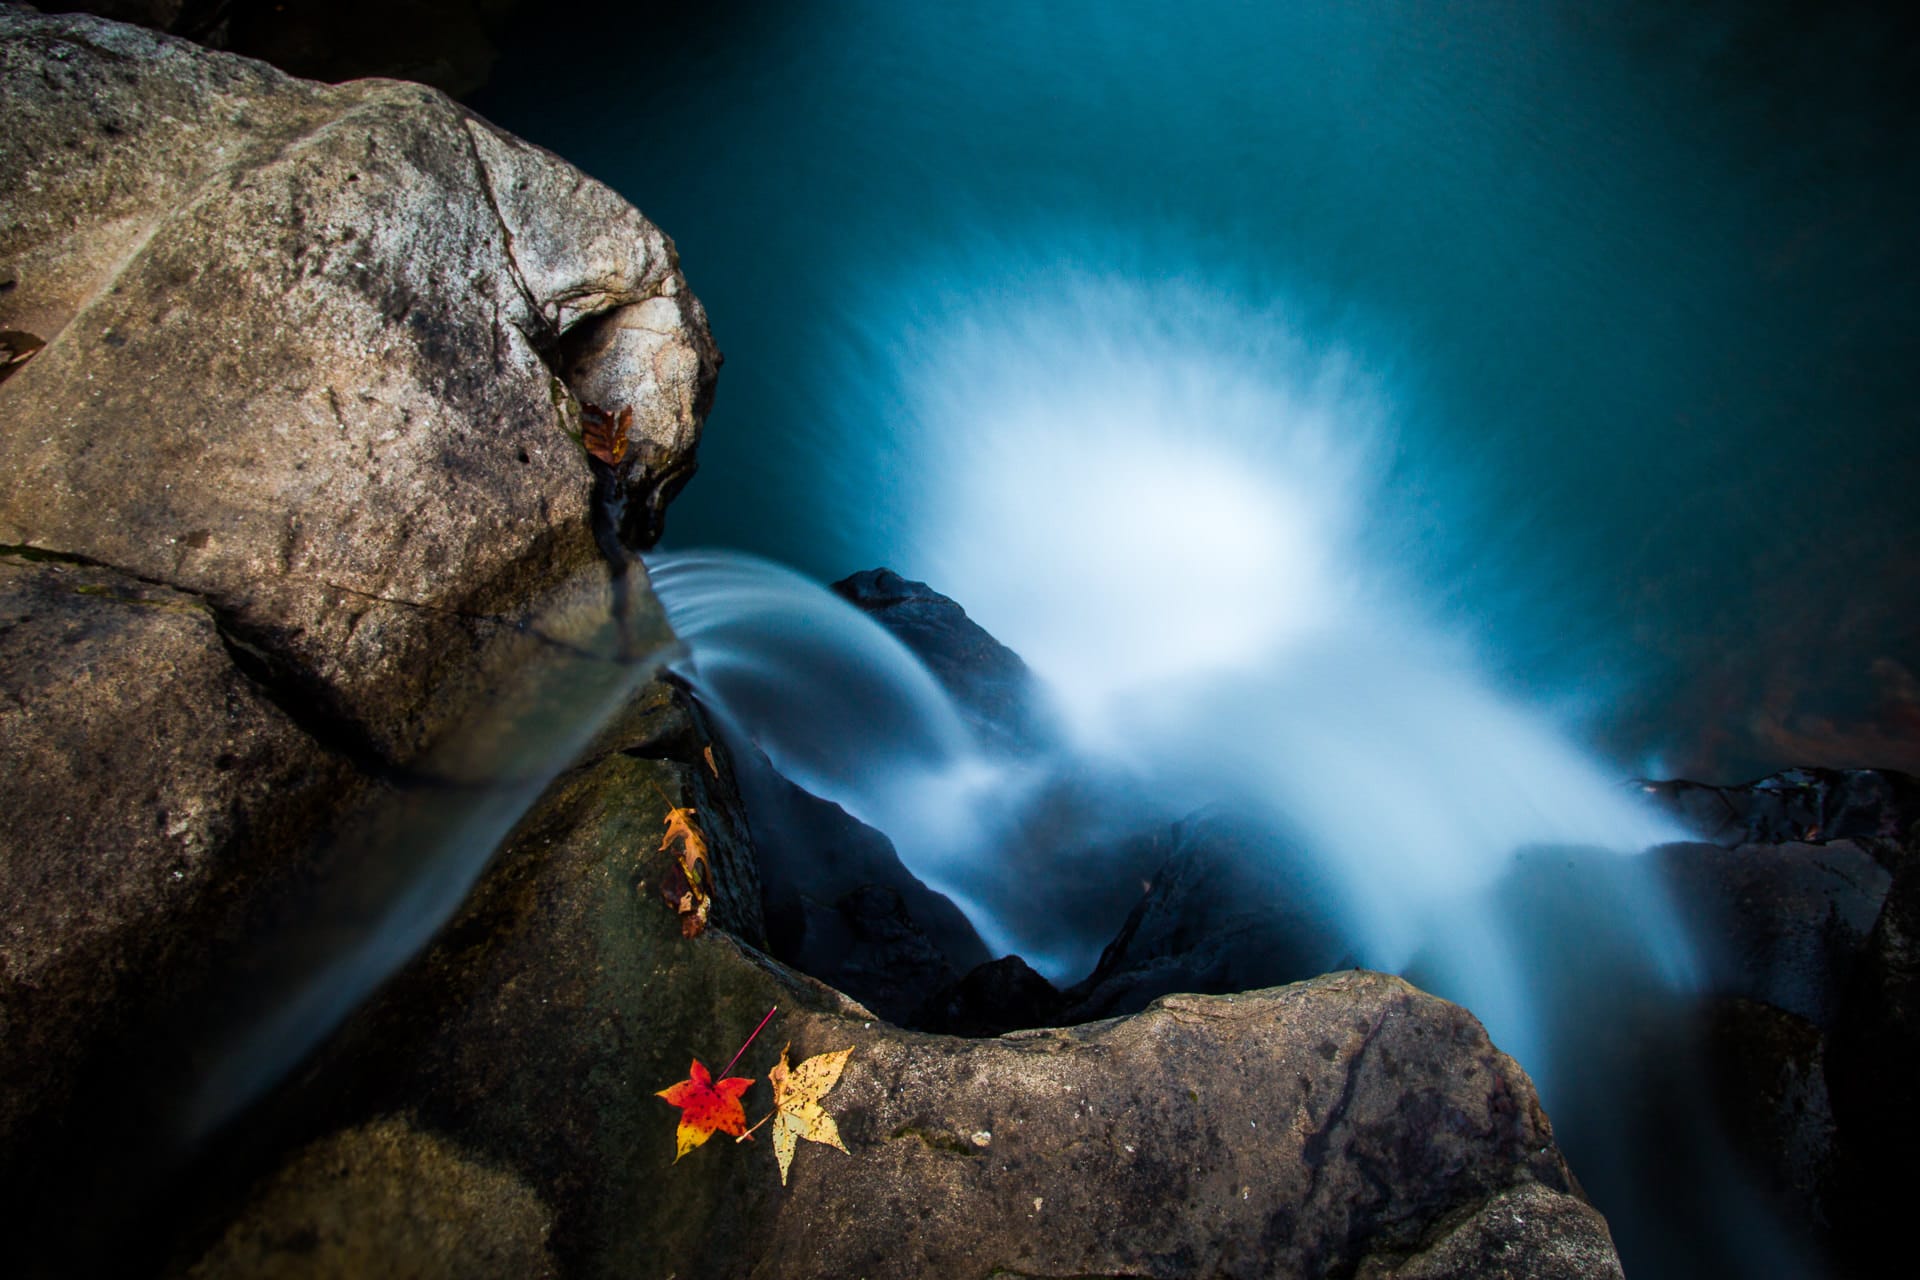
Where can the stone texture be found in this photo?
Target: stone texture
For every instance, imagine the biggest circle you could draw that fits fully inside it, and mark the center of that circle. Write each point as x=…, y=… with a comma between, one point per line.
x=385, y=1199
x=1781, y=923
x=1226, y=911
x=1806, y=805
x=1768, y=1072
x=1528, y=1233
x=146, y=782
x=298, y=345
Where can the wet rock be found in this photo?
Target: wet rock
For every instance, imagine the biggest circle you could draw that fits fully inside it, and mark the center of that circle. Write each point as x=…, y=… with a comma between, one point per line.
x=1768, y=1071
x=989, y=682
x=1229, y=910
x=1780, y=923
x=1308, y=1130
x=1528, y=1233
x=1873, y=1063
x=385, y=1199
x=1809, y=806
x=1803, y=930
x=868, y=945
x=1299, y=1131
x=840, y=904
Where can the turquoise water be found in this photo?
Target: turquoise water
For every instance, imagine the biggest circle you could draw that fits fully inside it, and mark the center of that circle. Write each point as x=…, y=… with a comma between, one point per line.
x=1632, y=285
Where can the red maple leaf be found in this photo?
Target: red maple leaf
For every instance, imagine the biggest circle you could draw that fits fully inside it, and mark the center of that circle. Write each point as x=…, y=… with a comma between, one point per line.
x=707, y=1106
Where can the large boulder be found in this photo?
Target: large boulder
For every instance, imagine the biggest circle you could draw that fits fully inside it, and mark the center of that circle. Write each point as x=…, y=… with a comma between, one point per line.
x=303, y=358
x=291, y=410
x=137, y=762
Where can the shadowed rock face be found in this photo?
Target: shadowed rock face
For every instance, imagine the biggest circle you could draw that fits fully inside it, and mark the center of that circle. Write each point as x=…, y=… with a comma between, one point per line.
x=988, y=681
x=1813, y=806
x=134, y=757
x=291, y=447
x=1804, y=906
x=1227, y=911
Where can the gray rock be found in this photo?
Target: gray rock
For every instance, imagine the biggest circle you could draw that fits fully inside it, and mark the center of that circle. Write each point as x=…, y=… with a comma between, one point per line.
x=1528, y=1233
x=144, y=780
x=290, y=470
x=301, y=354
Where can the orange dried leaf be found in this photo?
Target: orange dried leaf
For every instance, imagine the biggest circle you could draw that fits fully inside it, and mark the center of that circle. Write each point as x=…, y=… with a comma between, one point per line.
x=604, y=434
x=687, y=884
x=707, y=1106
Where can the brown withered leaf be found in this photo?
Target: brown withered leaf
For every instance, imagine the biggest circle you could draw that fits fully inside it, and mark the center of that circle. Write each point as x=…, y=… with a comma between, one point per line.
x=686, y=886
x=604, y=434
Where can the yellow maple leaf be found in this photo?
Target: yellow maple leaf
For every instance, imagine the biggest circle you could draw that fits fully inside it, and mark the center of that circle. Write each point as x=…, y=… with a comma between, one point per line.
x=797, y=1112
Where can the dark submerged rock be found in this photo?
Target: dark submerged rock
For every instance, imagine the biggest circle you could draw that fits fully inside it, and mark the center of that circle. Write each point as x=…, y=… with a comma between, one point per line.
x=996, y=997
x=988, y=681
x=868, y=945
x=1780, y=923
x=1872, y=1065
x=1806, y=908
x=1229, y=910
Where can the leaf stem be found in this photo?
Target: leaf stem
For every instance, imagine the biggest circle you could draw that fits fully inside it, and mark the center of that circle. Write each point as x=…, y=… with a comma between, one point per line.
x=756, y=1124
x=749, y=1040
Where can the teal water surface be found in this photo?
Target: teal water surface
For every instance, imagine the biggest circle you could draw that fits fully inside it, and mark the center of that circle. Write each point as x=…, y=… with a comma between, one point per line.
x=1636, y=279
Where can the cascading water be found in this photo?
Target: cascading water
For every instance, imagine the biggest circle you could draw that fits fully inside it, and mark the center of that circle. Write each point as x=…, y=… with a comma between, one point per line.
x=1188, y=523
x=1176, y=514
x=840, y=707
